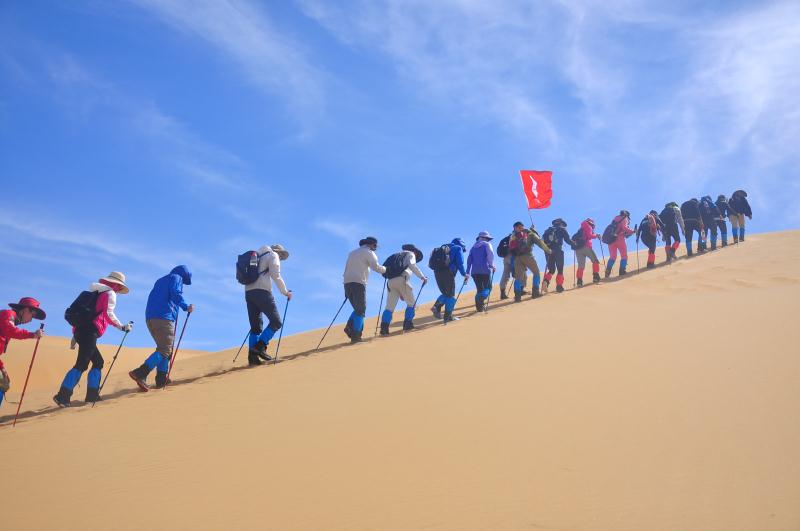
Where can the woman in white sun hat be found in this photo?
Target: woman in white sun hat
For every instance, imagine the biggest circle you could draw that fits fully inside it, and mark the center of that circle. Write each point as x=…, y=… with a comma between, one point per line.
x=90, y=314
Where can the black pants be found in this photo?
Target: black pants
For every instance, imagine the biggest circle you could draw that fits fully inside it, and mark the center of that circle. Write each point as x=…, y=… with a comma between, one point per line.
x=650, y=241
x=261, y=301
x=356, y=293
x=87, y=349
x=446, y=280
x=692, y=225
x=710, y=225
x=555, y=261
x=672, y=233
x=482, y=281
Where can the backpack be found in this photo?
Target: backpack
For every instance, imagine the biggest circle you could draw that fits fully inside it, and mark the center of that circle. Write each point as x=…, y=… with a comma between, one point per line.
x=610, y=234
x=83, y=309
x=550, y=236
x=247, y=267
x=396, y=264
x=668, y=215
x=440, y=258
x=579, y=238
x=651, y=223
x=502, y=247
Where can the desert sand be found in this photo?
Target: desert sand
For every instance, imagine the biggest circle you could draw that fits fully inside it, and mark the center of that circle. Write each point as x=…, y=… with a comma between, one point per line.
x=668, y=400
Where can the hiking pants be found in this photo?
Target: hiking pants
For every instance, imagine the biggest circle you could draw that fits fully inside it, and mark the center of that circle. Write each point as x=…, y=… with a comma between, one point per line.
x=88, y=352
x=710, y=226
x=356, y=293
x=723, y=230
x=581, y=255
x=163, y=333
x=261, y=301
x=400, y=288
x=507, y=269
x=617, y=246
x=737, y=226
x=692, y=226
x=672, y=235
x=522, y=264
x=555, y=262
x=446, y=280
x=483, y=285
x=650, y=241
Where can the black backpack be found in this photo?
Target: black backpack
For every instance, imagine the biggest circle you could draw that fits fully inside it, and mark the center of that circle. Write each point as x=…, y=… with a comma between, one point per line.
x=440, y=258
x=668, y=215
x=550, y=236
x=610, y=234
x=579, y=239
x=247, y=267
x=83, y=309
x=502, y=247
x=396, y=264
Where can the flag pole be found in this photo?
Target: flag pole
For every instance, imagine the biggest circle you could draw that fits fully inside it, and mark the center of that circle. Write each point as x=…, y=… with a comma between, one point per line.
x=525, y=195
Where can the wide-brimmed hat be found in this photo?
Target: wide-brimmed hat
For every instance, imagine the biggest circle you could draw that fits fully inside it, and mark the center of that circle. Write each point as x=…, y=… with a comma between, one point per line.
x=418, y=256
x=485, y=234
x=115, y=277
x=558, y=221
x=29, y=302
x=590, y=221
x=282, y=253
x=624, y=213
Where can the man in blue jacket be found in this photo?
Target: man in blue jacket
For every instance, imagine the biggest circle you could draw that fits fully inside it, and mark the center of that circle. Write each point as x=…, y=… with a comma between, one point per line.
x=163, y=304
x=446, y=280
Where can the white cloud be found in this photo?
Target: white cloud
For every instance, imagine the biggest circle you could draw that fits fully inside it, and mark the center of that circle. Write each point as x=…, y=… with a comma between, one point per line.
x=347, y=231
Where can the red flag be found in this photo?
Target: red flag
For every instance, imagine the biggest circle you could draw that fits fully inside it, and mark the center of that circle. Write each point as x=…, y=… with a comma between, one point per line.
x=538, y=186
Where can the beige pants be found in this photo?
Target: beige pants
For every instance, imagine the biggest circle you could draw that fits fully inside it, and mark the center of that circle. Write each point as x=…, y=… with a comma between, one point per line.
x=737, y=220
x=583, y=253
x=163, y=333
x=522, y=264
x=400, y=288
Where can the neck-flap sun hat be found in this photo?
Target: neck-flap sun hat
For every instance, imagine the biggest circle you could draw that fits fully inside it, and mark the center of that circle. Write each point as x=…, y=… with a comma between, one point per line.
x=29, y=302
x=115, y=277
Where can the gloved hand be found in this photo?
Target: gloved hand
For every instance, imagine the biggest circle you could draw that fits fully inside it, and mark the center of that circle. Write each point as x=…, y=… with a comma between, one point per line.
x=127, y=327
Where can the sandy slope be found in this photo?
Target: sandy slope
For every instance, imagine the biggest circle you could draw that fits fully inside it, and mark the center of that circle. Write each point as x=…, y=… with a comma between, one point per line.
x=668, y=400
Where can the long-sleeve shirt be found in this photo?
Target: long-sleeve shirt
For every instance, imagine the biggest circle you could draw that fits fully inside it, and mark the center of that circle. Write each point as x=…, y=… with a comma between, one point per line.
x=522, y=242
x=167, y=296
x=269, y=271
x=359, y=262
x=106, y=304
x=457, y=259
x=9, y=330
x=588, y=234
x=480, y=259
x=413, y=267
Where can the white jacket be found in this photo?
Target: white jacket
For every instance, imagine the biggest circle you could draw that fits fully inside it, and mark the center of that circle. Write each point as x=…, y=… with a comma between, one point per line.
x=272, y=263
x=413, y=267
x=359, y=262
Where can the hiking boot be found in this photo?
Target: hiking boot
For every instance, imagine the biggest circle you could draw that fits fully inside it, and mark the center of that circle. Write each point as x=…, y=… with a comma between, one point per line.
x=92, y=395
x=384, y=329
x=161, y=380
x=622, y=271
x=608, y=273
x=63, y=397
x=253, y=359
x=408, y=324
x=595, y=278
x=139, y=376
x=480, y=305
x=448, y=316
x=559, y=288
x=355, y=339
x=436, y=310
x=518, y=297
x=580, y=280
x=503, y=295
x=348, y=329
x=650, y=265
x=536, y=293
x=545, y=286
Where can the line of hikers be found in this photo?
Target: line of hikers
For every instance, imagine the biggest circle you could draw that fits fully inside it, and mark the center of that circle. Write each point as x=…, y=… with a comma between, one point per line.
x=93, y=311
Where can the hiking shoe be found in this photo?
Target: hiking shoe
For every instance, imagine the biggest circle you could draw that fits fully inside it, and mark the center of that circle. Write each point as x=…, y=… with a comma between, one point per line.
x=559, y=289
x=518, y=297
x=448, y=316
x=650, y=266
x=355, y=339
x=536, y=293
x=348, y=329
x=503, y=296
x=139, y=381
x=264, y=356
x=595, y=278
x=61, y=401
x=622, y=271
x=580, y=282
x=545, y=286
x=253, y=359
x=93, y=395
x=608, y=273
x=437, y=312
x=408, y=325
x=384, y=329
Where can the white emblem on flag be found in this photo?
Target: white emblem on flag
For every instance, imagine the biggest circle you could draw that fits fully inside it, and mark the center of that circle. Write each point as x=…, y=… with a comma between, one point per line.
x=533, y=187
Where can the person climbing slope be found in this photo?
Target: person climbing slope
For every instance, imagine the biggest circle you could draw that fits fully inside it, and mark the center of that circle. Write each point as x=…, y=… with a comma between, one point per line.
x=614, y=236
x=445, y=261
x=740, y=208
x=690, y=210
x=724, y=212
x=710, y=215
x=480, y=264
x=554, y=237
x=648, y=231
x=521, y=246
x=673, y=225
x=356, y=274
x=21, y=312
x=399, y=267
x=583, y=243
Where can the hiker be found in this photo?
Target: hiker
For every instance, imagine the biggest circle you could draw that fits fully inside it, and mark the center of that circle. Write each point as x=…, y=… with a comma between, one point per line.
x=508, y=265
x=583, y=250
x=445, y=261
x=690, y=210
x=614, y=236
x=356, y=273
x=97, y=304
x=724, y=212
x=554, y=238
x=648, y=231
x=739, y=208
x=399, y=267
x=479, y=262
x=673, y=225
x=259, y=299
x=163, y=304
x=710, y=215
x=21, y=312
x=521, y=246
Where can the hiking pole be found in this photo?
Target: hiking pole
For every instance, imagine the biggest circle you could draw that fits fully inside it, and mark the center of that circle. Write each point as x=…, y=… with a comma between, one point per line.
x=280, y=334
x=489, y=296
x=419, y=292
x=177, y=348
x=241, y=347
x=459, y=293
x=602, y=254
x=574, y=266
x=113, y=360
x=378, y=319
x=41, y=327
x=637, y=248
x=330, y=325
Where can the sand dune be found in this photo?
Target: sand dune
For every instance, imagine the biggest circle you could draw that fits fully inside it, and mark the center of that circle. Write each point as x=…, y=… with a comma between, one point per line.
x=667, y=400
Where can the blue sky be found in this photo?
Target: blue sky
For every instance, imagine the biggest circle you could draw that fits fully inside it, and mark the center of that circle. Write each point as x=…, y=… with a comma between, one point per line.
x=138, y=135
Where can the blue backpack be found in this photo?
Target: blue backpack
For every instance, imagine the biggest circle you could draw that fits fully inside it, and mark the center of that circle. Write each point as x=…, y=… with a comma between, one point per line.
x=247, y=267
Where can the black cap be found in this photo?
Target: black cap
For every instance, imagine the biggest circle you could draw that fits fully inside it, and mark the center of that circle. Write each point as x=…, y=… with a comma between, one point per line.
x=519, y=223
x=369, y=240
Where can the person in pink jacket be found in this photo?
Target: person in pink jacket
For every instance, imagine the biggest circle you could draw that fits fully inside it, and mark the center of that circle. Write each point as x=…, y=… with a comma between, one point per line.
x=103, y=295
x=622, y=231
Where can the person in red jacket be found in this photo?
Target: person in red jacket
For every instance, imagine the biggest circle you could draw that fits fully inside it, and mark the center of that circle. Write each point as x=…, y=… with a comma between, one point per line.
x=623, y=230
x=86, y=335
x=20, y=313
x=583, y=250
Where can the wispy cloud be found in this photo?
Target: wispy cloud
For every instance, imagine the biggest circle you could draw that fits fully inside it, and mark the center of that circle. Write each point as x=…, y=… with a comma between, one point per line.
x=348, y=231
x=271, y=58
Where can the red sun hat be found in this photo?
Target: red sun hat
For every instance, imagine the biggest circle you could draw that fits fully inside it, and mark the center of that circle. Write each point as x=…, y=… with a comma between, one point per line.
x=29, y=302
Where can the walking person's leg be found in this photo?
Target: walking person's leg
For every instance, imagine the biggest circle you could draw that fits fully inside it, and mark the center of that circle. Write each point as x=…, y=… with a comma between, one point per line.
x=520, y=277
x=94, y=377
x=163, y=333
x=612, y=257
x=622, y=245
x=87, y=344
x=357, y=295
x=394, y=287
x=580, y=256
